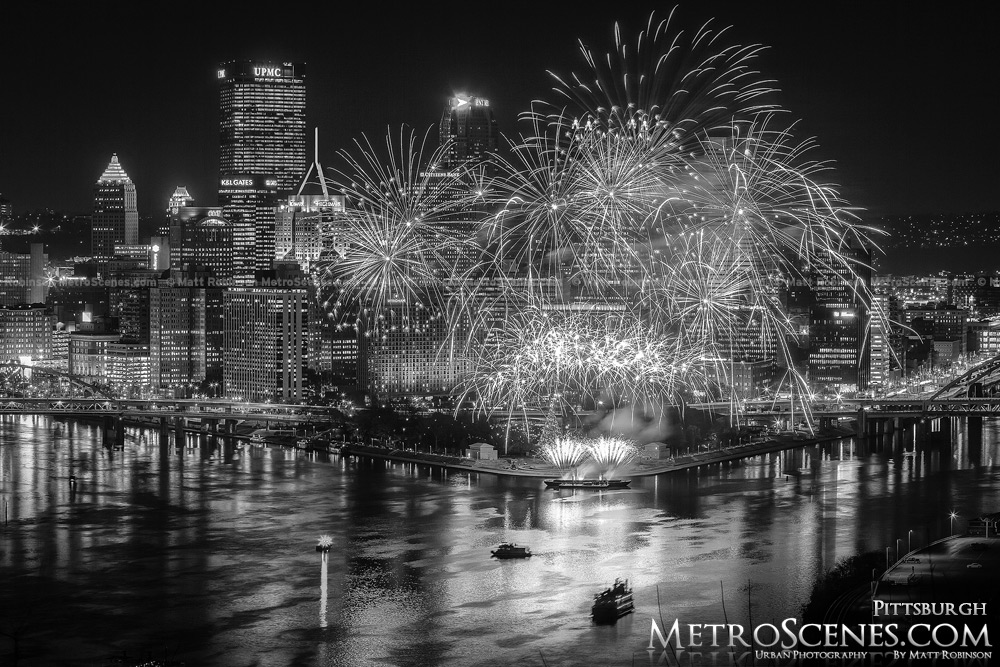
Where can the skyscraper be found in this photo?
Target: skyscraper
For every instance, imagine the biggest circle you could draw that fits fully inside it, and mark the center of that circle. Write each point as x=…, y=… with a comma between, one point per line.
x=266, y=344
x=116, y=217
x=249, y=203
x=177, y=331
x=201, y=237
x=263, y=121
x=468, y=123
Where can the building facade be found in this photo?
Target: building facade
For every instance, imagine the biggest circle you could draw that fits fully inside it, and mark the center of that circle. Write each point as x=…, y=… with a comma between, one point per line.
x=202, y=238
x=249, y=205
x=262, y=127
x=116, y=216
x=25, y=332
x=177, y=338
x=469, y=129
x=266, y=341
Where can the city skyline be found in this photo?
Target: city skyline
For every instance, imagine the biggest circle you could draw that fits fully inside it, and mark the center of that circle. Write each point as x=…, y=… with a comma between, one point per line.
x=874, y=89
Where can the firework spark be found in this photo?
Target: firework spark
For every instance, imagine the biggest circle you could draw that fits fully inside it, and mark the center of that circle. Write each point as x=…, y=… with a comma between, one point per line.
x=633, y=248
x=610, y=454
x=399, y=241
x=564, y=453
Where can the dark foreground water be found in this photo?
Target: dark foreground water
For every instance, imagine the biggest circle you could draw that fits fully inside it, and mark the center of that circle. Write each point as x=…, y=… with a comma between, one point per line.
x=206, y=554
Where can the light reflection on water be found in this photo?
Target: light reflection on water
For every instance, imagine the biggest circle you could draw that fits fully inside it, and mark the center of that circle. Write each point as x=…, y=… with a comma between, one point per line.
x=206, y=553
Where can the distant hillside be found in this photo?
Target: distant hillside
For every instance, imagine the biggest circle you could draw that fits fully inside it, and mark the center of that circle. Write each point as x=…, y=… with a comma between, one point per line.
x=939, y=231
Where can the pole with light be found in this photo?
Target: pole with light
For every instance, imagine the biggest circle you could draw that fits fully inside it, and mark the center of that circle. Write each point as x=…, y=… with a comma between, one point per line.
x=953, y=516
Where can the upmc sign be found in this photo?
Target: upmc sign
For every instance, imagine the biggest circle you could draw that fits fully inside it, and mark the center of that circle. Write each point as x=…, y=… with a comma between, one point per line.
x=267, y=71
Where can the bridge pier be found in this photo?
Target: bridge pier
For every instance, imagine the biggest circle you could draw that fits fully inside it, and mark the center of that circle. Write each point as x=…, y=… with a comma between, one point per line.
x=113, y=432
x=974, y=427
x=180, y=435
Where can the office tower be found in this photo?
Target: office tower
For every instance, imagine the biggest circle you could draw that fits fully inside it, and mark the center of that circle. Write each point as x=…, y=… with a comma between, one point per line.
x=249, y=204
x=180, y=198
x=470, y=127
x=115, y=218
x=25, y=332
x=301, y=217
x=128, y=368
x=88, y=348
x=838, y=323
x=202, y=237
x=879, y=336
x=414, y=359
x=263, y=121
x=177, y=337
x=266, y=344
x=22, y=276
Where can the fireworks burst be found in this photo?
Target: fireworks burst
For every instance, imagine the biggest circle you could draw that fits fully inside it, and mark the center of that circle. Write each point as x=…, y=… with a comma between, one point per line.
x=578, y=358
x=564, y=453
x=634, y=247
x=610, y=454
x=666, y=86
x=399, y=241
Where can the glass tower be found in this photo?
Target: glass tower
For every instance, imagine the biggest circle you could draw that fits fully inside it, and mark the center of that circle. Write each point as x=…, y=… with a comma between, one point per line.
x=263, y=121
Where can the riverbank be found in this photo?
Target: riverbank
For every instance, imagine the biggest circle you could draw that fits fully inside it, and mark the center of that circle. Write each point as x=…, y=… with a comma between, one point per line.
x=643, y=468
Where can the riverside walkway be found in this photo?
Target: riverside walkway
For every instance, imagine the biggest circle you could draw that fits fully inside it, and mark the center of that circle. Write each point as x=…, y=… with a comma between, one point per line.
x=641, y=468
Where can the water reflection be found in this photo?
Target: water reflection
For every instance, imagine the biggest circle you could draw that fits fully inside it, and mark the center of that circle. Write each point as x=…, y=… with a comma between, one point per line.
x=204, y=551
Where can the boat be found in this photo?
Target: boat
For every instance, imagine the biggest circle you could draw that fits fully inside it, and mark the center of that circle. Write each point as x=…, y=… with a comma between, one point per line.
x=269, y=435
x=506, y=550
x=588, y=483
x=613, y=603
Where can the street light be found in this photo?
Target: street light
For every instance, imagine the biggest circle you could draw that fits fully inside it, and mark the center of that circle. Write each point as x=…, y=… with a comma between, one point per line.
x=898, y=540
x=909, y=541
x=887, y=558
x=952, y=516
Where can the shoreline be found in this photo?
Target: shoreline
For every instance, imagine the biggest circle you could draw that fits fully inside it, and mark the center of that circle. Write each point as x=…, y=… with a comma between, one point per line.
x=685, y=462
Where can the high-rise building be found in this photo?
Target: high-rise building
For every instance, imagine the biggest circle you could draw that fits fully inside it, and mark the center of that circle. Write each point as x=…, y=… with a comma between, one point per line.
x=180, y=198
x=838, y=323
x=249, y=204
x=470, y=127
x=25, y=331
x=303, y=215
x=263, y=121
x=89, y=346
x=128, y=368
x=879, y=337
x=116, y=217
x=177, y=337
x=266, y=344
x=202, y=237
x=22, y=276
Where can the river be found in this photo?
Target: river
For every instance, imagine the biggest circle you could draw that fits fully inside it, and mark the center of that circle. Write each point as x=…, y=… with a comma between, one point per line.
x=206, y=554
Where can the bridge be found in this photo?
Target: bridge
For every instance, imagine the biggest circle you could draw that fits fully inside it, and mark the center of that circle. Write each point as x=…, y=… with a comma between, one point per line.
x=213, y=417
x=191, y=408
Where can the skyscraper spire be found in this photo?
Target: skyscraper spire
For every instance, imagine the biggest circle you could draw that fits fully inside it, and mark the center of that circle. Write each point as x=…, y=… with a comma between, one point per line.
x=115, y=173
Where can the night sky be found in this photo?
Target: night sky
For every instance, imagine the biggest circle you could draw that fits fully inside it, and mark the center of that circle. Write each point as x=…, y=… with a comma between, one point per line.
x=899, y=95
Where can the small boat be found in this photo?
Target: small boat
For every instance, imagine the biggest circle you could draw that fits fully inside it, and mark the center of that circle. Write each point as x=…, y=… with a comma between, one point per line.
x=588, y=483
x=613, y=603
x=511, y=551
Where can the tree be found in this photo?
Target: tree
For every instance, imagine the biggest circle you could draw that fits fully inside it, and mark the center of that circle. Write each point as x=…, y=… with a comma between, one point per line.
x=551, y=428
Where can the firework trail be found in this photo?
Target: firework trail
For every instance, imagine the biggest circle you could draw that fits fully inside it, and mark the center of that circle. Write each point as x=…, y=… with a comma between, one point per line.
x=564, y=453
x=398, y=242
x=666, y=86
x=578, y=358
x=610, y=453
x=635, y=245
